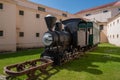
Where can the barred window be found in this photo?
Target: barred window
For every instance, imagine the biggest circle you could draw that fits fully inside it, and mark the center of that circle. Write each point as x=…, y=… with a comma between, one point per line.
x=105, y=11
x=113, y=23
x=101, y=27
x=117, y=35
x=1, y=33
x=118, y=9
x=88, y=14
x=113, y=36
x=37, y=15
x=37, y=34
x=118, y=21
x=21, y=12
x=110, y=25
x=41, y=9
x=21, y=34
x=1, y=5
x=65, y=15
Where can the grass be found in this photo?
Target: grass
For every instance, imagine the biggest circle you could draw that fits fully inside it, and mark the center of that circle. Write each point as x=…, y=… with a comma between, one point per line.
x=18, y=57
x=101, y=64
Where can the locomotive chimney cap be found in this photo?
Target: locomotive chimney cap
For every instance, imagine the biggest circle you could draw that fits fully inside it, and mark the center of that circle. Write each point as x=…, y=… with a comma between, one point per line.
x=49, y=15
x=50, y=21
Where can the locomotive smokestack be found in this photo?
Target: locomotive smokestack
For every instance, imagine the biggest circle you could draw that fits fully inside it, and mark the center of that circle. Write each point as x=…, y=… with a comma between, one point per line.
x=50, y=21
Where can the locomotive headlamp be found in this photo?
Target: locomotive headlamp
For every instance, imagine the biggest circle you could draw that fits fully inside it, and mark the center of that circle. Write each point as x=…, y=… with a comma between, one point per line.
x=47, y=39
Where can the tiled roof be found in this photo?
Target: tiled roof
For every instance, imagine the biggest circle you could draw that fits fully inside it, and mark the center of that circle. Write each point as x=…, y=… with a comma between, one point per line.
x=114, y=4
x=118, y=15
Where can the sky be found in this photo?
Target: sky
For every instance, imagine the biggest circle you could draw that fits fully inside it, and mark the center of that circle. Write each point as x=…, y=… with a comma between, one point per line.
x=72, y=6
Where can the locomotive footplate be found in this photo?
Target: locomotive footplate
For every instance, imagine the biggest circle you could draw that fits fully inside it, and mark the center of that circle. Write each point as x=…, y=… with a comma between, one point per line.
x=28, y=68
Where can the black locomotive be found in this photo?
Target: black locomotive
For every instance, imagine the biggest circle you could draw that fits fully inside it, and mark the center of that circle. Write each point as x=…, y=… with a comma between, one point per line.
x=62, y=45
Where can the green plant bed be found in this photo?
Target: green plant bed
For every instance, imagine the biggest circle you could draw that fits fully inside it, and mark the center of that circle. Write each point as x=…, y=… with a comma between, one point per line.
x=101, y=64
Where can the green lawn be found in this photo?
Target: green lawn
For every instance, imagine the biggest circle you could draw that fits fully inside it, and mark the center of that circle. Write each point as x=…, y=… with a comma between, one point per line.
x=100, y=64
x=18, y=57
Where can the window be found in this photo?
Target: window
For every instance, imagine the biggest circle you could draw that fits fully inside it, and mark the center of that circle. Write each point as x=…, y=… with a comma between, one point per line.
x=82, y=29
x=1, y=6
x=60, y=20
x=21, y=12
x=105, y=11
x=101, y=27
x=37, y=34
x=88, y=14
x=118, y=9
x=65, y=15
x=21, y=34
x=41, y=9
x=1, y=33
x=110, y=25
x=110, y=36
x=37, y=15
x=90, y=30
x=113, y=23
x=113, y=36
x=117, y=35
x=118, y=21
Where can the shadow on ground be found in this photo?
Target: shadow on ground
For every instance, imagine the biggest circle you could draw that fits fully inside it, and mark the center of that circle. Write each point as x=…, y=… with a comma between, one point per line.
x=86, y=63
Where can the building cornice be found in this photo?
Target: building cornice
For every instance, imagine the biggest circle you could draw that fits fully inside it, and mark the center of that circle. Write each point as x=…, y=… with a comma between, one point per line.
x=9, y=1
x=42, y=5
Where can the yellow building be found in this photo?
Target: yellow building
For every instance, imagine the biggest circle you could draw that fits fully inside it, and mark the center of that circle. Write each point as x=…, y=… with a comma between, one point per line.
x=7, y=26
x=22, y=23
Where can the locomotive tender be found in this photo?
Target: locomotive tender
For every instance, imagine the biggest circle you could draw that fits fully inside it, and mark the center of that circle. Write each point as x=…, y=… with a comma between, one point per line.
x=61, y=45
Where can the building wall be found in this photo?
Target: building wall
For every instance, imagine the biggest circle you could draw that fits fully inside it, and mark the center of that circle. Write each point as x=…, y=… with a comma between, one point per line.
x=113, y=31
x=103, y=33
x=30, y=25
x=8, y=26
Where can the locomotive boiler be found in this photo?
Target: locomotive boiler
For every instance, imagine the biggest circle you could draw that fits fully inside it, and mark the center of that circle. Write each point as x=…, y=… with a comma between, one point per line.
x=62, y=45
